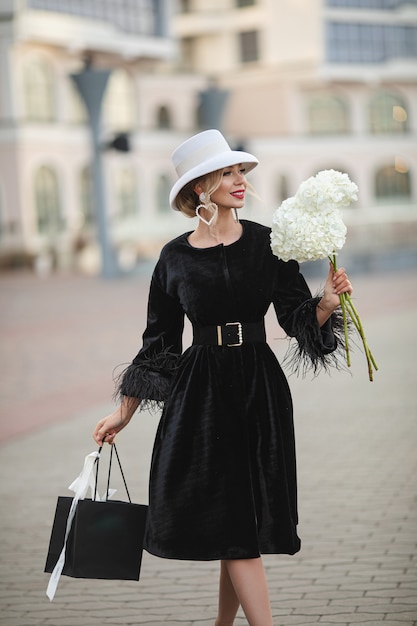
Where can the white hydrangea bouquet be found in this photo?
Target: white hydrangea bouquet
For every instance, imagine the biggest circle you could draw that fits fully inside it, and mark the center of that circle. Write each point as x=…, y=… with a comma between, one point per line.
x=309, y=226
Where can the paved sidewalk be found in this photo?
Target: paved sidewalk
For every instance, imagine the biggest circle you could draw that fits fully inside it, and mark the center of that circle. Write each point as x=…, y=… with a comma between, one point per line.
x=357, y=463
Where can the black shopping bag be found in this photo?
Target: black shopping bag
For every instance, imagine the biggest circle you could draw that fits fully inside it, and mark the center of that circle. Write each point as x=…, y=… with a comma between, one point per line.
x=104, y=539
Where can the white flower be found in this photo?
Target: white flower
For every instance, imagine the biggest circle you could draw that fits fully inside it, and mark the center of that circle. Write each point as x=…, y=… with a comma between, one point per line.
x=309, y=226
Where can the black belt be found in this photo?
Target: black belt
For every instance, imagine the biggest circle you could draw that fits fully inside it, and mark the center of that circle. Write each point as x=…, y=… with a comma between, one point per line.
x=232, y=334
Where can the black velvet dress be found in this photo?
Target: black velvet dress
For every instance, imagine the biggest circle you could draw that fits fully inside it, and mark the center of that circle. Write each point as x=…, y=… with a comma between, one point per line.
x=223, y=473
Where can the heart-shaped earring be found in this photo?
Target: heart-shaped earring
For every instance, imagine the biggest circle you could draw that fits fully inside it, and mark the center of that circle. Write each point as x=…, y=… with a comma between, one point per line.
x=201, y=218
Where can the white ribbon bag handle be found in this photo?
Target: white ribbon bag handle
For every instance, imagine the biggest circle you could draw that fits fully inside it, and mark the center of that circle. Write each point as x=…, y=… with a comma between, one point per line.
x=80, y=487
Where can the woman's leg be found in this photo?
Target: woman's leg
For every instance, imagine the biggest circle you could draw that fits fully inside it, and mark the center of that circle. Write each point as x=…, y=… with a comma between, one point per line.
x=228, y=600
x=247, y=577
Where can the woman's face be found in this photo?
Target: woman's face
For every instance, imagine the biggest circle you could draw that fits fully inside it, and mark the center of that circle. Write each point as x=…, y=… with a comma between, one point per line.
x=231, y=192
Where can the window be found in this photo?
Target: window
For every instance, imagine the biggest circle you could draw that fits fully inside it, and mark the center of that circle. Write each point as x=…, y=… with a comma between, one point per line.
x=126, y=193
x=87, y=197
x=393, y=182
x=327, y=114
x=38, y=91
x=119, y=102
x=249, y=46
x=163, y=118
x=369, y=43
x=141, y=17
x=47, y=202
x=162, y=193
x=387, y=114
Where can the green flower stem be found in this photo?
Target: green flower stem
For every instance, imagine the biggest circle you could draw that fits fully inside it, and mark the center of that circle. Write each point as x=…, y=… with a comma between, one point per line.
x=345, y=327
x=348, y=308
x=357, y=321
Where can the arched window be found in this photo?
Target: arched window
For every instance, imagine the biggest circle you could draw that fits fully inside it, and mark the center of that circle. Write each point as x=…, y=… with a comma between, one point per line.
x=47, y=202
x=119, y=112
x=126, y=191
x=393, y=182
x=163, y=118
x=162, y=192
x=38, y=91
x=387, y=114
x=327, y=114
x=86, y=197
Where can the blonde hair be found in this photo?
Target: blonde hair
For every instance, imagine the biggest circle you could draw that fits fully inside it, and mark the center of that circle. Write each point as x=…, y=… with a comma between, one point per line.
x=187, y=199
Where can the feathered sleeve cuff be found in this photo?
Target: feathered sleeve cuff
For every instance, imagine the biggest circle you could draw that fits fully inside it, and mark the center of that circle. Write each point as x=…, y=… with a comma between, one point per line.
x=148, y=378
x=150, y=375
x=316, y=348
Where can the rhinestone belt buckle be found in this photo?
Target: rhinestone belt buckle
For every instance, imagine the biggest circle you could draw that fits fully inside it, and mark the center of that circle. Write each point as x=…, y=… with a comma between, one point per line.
x=239, y=332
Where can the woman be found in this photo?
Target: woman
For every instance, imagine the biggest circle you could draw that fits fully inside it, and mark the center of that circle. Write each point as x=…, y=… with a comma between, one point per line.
x=223, y=476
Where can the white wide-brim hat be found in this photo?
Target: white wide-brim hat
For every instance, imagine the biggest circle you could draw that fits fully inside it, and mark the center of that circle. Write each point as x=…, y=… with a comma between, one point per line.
x=204, y=153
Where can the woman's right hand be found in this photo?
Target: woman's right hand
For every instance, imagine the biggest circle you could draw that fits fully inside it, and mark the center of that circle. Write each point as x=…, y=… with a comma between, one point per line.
x=108, y=427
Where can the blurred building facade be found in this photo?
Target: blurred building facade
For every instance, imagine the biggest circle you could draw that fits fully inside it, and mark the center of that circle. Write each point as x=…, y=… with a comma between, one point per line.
x=317, y=84
x=47, y=209
x=304, y=84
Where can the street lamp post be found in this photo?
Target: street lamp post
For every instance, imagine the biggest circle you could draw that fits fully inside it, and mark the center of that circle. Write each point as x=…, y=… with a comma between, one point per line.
x=91, y=84
x=213, y=102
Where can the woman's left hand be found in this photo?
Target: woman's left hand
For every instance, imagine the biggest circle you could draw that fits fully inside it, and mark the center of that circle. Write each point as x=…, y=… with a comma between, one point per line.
x=336, y=284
